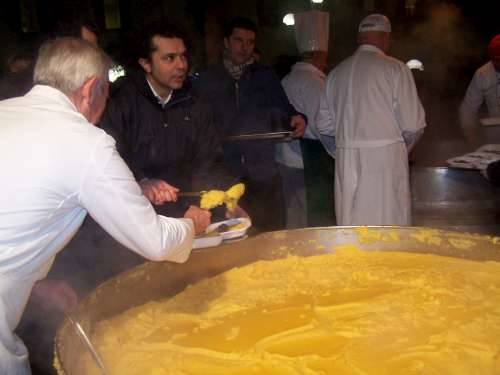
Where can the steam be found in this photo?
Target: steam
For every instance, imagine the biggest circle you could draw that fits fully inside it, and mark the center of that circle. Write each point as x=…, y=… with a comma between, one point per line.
x=445, y=44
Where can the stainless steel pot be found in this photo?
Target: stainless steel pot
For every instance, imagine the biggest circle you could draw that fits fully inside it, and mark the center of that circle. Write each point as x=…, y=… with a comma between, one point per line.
x=159, y=280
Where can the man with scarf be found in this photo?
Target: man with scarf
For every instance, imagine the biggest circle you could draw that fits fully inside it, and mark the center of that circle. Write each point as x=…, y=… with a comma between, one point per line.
x=248, y=98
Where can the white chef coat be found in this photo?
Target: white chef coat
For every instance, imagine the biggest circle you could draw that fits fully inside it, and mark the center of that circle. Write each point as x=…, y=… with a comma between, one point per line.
x=483, y=88
x=371, y=100
x=304, y=86
x=56, y=167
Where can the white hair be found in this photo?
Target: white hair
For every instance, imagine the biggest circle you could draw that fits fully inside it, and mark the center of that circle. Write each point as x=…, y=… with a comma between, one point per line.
x=67, y=63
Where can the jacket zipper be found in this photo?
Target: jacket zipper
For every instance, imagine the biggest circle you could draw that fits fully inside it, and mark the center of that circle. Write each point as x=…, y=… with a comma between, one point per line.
x=237, y=90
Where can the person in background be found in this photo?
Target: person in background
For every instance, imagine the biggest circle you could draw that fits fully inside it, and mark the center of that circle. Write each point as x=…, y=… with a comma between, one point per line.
x=377, y=118
x=163, y=131
x=483, y=88
x=57, y=167
x=79, y=27
x=17, y=79
x=304, y=86
x=247, y=98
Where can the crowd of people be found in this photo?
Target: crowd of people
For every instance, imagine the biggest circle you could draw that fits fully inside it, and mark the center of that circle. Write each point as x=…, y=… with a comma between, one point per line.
x=68, y=151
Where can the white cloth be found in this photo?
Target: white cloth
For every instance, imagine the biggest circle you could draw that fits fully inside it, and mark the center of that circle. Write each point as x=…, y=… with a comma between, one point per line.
x=372, y=100
x=56, y=167
x=483, y=88
x=161, y=101
x=303, y=86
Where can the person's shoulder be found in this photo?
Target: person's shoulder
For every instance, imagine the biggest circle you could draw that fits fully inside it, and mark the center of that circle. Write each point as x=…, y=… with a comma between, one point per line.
x=392, y=61
x=261, y=74
x=394, y=66
x=485, y=69
x=257, y=68
x=307, y=77
x=128, y=85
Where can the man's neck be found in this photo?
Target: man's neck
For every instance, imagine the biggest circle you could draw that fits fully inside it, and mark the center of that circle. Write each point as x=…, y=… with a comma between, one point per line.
x=158, y=90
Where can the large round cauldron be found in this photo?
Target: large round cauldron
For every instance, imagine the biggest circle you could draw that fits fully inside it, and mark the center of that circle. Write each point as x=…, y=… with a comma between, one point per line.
x=158, y=280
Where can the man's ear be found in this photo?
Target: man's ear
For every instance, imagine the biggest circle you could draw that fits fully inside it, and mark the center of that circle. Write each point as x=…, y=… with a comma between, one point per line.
x=226, y=42
x=85, y=95
x=146, y=65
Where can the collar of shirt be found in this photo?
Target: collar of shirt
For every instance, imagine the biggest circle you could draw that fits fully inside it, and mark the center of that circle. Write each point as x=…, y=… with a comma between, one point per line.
x=161, y=101
x=302, y=65
x=370, y=47
x=54, y=94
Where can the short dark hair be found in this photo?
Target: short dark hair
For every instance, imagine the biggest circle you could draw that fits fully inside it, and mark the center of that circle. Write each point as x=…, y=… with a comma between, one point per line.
x=165, y=29
x=239, y=23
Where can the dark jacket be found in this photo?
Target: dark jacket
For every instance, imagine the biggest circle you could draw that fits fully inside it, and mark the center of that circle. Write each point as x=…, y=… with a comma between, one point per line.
x=177, y=143
x=255, y=103
x=493, y=172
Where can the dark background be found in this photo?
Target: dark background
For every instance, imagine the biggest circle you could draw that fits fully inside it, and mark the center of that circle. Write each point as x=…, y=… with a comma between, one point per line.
x=451, y=34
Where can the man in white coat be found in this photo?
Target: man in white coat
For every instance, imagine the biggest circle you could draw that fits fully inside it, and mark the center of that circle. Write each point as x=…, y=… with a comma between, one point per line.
x=57, y=167
x=304, y=86
x=483, y=88
x=377, y=117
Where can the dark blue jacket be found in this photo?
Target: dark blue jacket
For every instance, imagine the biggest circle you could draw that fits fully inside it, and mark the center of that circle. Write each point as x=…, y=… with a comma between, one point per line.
x=177, y=143
x=253, y=104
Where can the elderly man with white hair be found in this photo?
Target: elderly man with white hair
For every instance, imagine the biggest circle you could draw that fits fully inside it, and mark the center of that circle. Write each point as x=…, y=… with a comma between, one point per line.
x=376, y=117
x=57, y=167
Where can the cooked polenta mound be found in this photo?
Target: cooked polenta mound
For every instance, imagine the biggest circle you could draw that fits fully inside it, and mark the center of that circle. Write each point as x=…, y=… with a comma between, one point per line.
x=351, y=312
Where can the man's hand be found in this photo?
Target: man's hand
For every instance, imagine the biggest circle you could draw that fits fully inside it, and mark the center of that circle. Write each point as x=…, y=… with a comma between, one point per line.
x=158, y=191
x=201, y=218
x=298, y=125
x=237, y=212
x=54, y=295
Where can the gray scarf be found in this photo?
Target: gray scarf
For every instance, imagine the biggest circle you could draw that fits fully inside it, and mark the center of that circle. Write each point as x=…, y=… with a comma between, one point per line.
x=236, y=71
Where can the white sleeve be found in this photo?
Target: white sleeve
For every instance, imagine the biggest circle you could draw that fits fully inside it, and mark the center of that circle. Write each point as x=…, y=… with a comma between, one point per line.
x=407, y=106
x=313, y=89
x=325, y=115
x=115, y=201
x=471, y=103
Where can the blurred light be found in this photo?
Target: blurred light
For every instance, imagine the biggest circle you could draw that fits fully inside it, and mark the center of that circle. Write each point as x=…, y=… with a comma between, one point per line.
x=316, y=1
x=116, y=72
x=289, y=19
x=415, y=64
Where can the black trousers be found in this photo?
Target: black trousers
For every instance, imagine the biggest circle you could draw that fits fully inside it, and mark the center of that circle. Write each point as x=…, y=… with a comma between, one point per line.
x=319, y=173
x=265, y=204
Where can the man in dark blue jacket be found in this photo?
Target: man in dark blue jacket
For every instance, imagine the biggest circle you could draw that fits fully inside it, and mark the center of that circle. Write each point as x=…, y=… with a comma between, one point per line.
x=247, y=98
x=162, y=130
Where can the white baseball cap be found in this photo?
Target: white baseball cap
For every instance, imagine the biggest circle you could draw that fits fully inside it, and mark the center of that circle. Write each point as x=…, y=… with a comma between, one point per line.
x=375, y=22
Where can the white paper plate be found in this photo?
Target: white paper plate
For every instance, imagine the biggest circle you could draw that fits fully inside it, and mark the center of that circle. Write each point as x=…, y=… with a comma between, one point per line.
x=203, y=241
x=231, y=233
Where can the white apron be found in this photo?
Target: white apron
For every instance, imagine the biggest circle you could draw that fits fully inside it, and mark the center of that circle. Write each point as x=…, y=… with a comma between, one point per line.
x=372, y=186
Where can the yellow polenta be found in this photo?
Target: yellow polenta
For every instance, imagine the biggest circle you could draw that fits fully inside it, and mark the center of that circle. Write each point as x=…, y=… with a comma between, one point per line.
x=214, y=198
x=351, y=312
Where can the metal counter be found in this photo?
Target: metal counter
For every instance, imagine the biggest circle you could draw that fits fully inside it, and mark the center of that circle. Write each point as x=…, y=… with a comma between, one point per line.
x=455, y=199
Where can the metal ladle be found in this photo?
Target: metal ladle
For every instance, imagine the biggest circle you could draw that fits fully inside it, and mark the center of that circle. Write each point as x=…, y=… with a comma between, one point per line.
x=88, y=344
